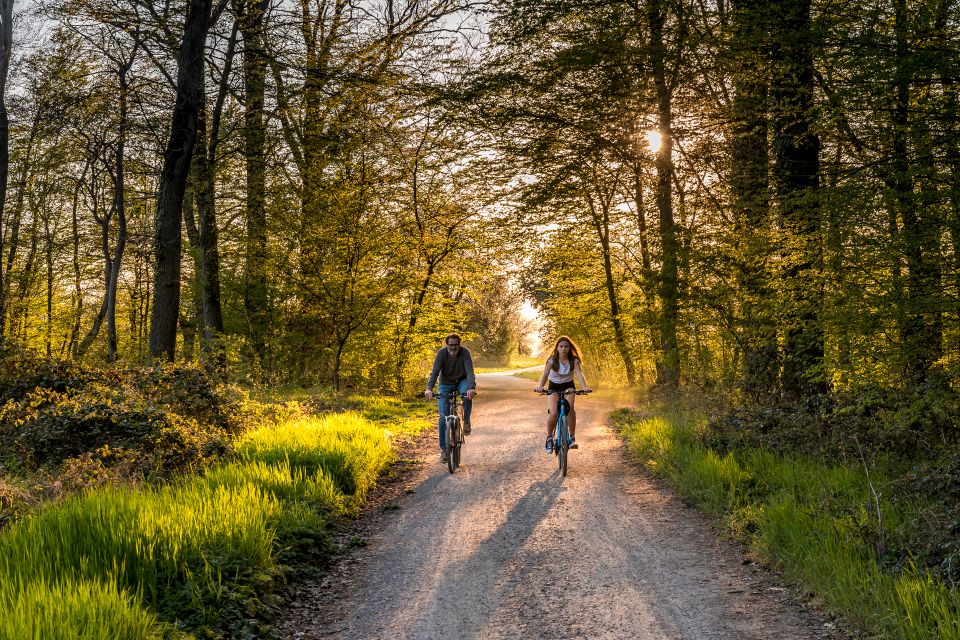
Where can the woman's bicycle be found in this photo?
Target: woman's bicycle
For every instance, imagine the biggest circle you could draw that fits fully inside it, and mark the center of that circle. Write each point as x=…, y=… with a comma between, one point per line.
x=561, y=432
x=453, y=423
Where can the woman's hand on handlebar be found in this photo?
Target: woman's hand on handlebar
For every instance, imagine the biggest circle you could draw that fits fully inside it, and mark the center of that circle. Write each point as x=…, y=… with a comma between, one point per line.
x=539, y=390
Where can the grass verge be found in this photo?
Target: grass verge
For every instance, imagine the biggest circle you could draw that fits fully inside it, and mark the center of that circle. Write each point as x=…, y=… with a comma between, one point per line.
x=803, y=516
x=201, y=555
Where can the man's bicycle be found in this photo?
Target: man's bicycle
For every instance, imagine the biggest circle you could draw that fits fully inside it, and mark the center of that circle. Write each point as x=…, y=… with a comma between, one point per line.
x=453, y=423
x=561, y=432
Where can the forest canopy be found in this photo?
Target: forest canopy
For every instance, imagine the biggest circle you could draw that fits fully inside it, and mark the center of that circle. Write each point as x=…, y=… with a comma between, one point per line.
x=755, y=196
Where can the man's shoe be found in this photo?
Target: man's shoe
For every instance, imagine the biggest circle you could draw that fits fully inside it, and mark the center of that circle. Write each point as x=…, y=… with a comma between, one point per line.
x=573, y=444
x=443, y=455
x=548, y=447
x=466, y=428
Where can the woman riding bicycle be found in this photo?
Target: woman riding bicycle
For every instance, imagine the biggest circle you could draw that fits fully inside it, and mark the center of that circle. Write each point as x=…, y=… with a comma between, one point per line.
x=562, y=365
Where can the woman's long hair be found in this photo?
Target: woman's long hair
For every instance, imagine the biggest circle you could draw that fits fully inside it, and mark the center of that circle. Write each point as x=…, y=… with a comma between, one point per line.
x=573, y=356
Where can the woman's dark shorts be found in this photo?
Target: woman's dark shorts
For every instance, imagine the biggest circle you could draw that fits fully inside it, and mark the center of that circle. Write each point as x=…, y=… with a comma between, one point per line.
x=560, y=386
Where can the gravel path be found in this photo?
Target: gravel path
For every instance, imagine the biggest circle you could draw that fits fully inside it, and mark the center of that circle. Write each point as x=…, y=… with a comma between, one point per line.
x=507, y=548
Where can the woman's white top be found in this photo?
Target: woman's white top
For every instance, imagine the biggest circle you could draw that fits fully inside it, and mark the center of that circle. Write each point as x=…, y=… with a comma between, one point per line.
x=563, y=373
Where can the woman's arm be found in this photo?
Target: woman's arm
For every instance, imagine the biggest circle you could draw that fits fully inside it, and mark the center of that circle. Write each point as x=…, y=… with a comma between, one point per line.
x=577, y=371
x=543, y=377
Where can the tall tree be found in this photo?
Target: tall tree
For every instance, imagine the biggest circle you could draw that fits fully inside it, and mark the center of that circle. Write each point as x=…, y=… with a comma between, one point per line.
x=173, y=182
x=251, y=18
x=796, y=178
x=6, y=48
x=749, y=190
x=922, y=327
x=668, y=369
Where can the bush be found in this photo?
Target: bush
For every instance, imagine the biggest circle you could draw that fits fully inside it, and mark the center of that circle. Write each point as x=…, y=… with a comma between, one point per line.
x=912, y=423
x=48, y=426
x=186, y=390
x=161, y=419
x=22, y=372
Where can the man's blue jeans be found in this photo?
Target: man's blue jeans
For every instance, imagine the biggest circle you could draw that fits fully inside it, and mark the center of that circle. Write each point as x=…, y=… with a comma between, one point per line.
x=443, y=405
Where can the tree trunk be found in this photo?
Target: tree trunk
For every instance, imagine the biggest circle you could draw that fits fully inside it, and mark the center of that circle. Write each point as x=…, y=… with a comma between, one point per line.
x=6, y=44
x=921, y=330
x=206, y=240
x=254, y=130
x=173, y=181
x=749, y=178
x=600, y=212
x=668, y=371
x=77, y=272
x=120, y=208
x=48, y=260
x=338, y=360
x=12, y=242
x=796, y=180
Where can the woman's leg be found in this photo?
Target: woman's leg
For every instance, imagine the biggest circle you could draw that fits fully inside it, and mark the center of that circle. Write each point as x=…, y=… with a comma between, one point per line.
x=572, y=418
x=551, y=413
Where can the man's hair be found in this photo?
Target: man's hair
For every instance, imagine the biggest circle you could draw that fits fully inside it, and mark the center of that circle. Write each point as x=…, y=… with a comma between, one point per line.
x=452, y=336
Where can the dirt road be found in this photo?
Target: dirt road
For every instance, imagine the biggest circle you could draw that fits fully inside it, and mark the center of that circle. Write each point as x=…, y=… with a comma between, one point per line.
x=507, y=548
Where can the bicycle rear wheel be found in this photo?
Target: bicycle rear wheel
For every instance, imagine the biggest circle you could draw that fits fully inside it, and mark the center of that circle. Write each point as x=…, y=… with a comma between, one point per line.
x=564, y=438
x=452, y=444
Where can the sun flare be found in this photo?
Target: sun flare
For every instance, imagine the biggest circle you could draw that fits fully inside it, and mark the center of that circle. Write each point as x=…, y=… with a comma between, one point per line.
x=653, y=140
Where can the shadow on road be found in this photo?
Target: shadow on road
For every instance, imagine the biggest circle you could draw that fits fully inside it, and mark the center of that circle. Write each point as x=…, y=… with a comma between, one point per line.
x=487, y=575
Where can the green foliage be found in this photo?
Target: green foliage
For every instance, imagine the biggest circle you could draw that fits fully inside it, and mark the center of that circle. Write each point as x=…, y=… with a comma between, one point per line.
x=161, y=419
x=914, y=423
x=815, y=520
x=21, y=373
x=48, y=427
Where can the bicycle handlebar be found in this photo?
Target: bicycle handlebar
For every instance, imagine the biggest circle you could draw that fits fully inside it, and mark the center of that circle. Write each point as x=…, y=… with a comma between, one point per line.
x=453, y=394
x=566, y=392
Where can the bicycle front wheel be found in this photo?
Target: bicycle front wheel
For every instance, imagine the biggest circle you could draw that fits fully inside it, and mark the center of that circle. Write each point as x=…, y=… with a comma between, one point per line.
x=452, y=448
x=564, y=443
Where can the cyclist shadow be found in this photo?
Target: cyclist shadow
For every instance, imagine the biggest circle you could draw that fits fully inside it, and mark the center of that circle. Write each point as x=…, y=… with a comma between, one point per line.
x=488, y=575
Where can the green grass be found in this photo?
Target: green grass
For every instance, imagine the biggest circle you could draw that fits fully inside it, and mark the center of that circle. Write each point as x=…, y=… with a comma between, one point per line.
x=85, y=610
x=529, y=375
x=174, y=547
x=348, y=448
x=516, y=362
x=806, y=517
x=398, y=417
x=204, y=552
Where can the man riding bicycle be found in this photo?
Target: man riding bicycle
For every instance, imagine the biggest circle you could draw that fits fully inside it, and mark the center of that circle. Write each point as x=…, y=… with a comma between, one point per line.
x=453, y=365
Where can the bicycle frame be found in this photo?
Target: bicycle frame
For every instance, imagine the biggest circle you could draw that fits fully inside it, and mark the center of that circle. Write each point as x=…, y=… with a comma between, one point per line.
x=558, y=438
x=453, y=423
